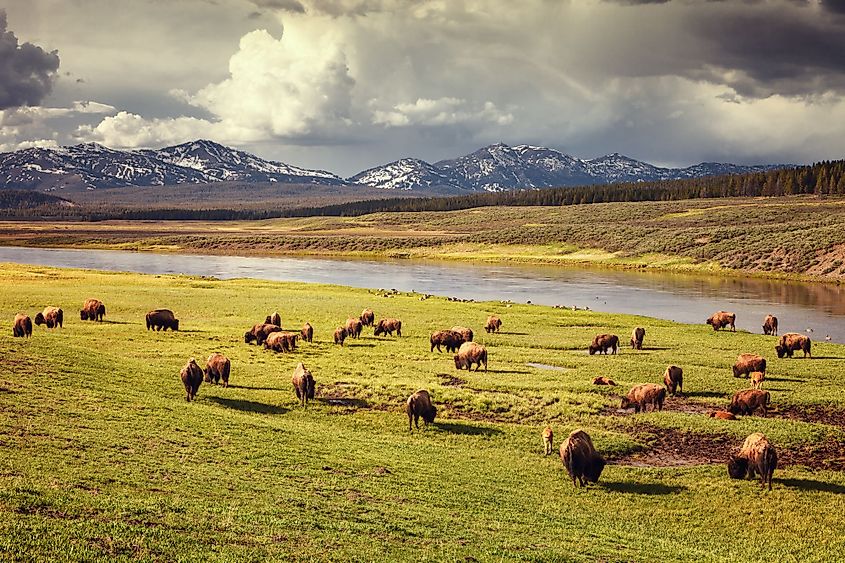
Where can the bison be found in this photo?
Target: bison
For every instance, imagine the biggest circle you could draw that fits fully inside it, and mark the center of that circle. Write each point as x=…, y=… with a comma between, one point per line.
x=747, y=401
x=22, y=326
x=723, y=415
x=746, y=363
x=721, y=320
x=354, y=327
x=419, y=405
x=191, y=376
x=217, y=368
x=274, y=319
x=281, y=341
x=449, y=338
x=673, y=379
x=604, y=342
x=770, y=325
x=340, y=335
x=640, y=396
x=307, y=332
x=493, y=324
x=580, y=459
x=388, y=326
x=792, y=341
x=471, y=353
x=757, y=455
x=637, y=337
x=466, y=333
x=367, y=317
x=92, y=310
x=159, y=319
x=51, y=316
x=548, y=439
x=303, y=383
x=757, y=379
x=602, y=380
x=259, y=333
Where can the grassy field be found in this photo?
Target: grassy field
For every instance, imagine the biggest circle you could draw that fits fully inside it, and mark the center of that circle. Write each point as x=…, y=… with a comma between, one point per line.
x=101, y=458
x=792, y=237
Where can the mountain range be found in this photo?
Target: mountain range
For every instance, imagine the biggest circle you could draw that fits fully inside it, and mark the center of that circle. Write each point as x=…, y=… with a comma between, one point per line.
x=496, y=167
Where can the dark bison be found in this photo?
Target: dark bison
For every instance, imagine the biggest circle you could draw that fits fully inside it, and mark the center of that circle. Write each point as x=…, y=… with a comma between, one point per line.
x=604, y=342
x=792, y=341
x=640, y=396
x=274, y=319
x=602, y=380
x=191, y=376
x=51, y=316
x=580, y=459
x=770, y=325
x=466, y=333
x=22, y=326
x=747, y=401
x=722, y=319
x=92, y=310
x=217, y=368
x=493, y=324
x=303, y=383
x=449, y=338
x=746, y=363
x=387, y=326
x=368, y=317
x=340, y=335
x=637, y=337
x=354, y=327
x=259, y=333
x=757, y=455
x=162, y=319
x=419, y=405
x=673, y=379
x=548, y=440
x=471, y=353
x=307, y=332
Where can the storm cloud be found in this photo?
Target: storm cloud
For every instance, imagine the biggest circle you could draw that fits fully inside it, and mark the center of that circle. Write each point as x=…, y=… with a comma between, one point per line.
x=27, y=72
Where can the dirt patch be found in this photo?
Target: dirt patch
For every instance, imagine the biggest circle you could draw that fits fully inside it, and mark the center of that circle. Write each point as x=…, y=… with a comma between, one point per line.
x=341, y=395
x=450, y=380
x=822, y=414
x=829, y=454
x=672, y=404
x=673, y=448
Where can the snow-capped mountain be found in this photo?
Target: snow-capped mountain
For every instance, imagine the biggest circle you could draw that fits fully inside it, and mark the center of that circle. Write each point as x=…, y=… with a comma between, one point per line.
x=407, y=174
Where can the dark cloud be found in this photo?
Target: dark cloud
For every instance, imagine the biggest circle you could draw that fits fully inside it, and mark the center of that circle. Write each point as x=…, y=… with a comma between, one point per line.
x=27, y=71
x=284, y=5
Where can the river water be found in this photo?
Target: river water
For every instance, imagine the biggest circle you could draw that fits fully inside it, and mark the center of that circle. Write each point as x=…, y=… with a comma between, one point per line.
x=679, y=297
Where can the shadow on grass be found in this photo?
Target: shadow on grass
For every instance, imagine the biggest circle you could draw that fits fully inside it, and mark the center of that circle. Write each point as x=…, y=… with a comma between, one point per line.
x=254, y=388
x=356, y=344
x=656, y=348
x=460, y=428
x=512, y=333
x=812, y=485
x=642, y=488
x=817, y=358
x=344, y=402
x=248, y=406
x=518, y=371
x=791, y=379
x=189, y=331
x=107, y=322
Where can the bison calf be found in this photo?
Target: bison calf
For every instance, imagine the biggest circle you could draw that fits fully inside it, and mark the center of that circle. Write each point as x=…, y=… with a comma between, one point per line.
x=724, y=415
x=419, y=405
x=580, y=459
x=722, y=319
x=191, y=376
x=471, y=353
x=673, y=379
x=303, y=383
x=792, y=341
x=637, y=338
x=217, y=368
x=640, y=396
x=604, y=342
x=548, y=439
x=602, y=380
x=757, y=379
x=22, y=326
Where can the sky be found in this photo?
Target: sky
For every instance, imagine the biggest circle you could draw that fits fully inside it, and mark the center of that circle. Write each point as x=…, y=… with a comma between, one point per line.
x=350, y=84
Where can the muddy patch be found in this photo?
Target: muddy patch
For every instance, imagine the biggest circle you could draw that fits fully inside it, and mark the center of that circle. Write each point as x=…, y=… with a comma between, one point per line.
x=447, y=380
x=829, y=454
x=666, y=447
x=341, y=395
x=822, y=414
x=672, y=404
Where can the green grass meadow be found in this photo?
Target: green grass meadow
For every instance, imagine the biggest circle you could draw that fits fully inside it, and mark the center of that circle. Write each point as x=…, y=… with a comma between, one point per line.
x=102, y=459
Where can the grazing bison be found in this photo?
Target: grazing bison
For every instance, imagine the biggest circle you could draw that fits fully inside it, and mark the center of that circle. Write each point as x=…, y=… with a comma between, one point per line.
x=548, y=439
x=757, y=379
x=92, y=310
x=637, y=338
x=191, y=376
x=770, y=325
x=747, y=401
x=724, y=415
x=449, y=338
x=580, y=459
x=339, y=335
x=217, y=368
x=274, y=319
x=746, y=363
x=419, y=405
x=673, y=379
x=162, y=319
x=792, y=341
x=722, y=319
x=259, y=333
x=367, y=317
x=602, y=380
x=387, y=326
x=493, y=324
x=354, y=327
x=51, y=316
x=466, y=333
x=471, y=353
x=307, y=332
x=22, y=326
x=303, y=383
x=640, y=396
x=281, y=341
x=757, y=455
x=604, y=342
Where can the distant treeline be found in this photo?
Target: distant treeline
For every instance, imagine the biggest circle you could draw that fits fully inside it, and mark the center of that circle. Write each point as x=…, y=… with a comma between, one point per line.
x=26, y=199
x=823, y=178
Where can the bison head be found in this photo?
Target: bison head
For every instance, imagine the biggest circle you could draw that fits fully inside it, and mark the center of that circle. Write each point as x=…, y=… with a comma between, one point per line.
x=781, y=350
x=428, y=417
x=249, y=337
x=626, y=403
x=174, y=325
x=458, y=362
x=737, y=467
x=593, y=470
x=379, y=328
x=39, y=319
x=593, y=349
x=83, y=315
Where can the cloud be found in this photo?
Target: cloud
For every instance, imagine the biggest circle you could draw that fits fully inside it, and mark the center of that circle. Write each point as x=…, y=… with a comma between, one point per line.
x=27, y=72
x=440, y=112
x=129, y=130
x=284, y=5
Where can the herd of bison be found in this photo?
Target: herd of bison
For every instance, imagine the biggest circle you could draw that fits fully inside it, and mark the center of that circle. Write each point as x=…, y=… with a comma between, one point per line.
x=578, y=455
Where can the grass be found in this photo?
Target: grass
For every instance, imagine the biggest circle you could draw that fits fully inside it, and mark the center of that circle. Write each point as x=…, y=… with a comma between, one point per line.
x=101, y=458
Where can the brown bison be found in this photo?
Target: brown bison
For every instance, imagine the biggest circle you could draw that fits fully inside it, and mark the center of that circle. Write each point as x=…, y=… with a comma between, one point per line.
x=22, y=326
x=281, y=341
x=722, y=319
x=471, y=353
x=274, y=319
x=493, y=324
x=354, y=327
x=604, y=342
x=307, y=332
x=191, y=376
x=757, y=455
x=792, y=341
x=757, y=379
x=259, y=333
x=580, y=459
x=340, y=335
x=466, y=333
x=367, y=317
x=162, y=319
x=449, y=338
x=723, y=415
x=637, y=338
x=770, y=325
x=419, y=405
x=747, y=401
x=303, y=383
x=746, y=363
x=217, y=368
x=640, y=396
x=548, y=439
x=602, y=380
x=387, y=326
x=92, y=310
x=673, y=379
x=51, y=316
